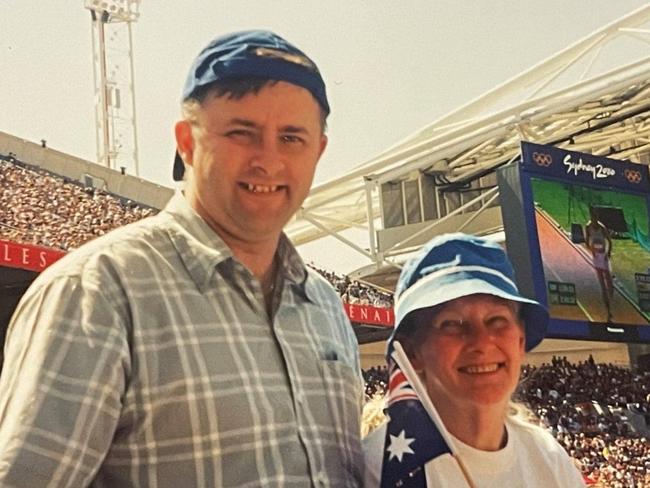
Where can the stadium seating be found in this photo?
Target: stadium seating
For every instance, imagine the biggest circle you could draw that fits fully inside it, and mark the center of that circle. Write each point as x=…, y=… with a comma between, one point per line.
x=354, y=292
x=40, y=208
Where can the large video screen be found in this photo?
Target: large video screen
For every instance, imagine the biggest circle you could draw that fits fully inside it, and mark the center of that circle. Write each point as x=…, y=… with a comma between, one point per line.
x=577, y=231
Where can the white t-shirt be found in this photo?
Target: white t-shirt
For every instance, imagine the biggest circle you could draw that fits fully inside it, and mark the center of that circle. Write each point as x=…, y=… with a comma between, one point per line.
x=532, y=458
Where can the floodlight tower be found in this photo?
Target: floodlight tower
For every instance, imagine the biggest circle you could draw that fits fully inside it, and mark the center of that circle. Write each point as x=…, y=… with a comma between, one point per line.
x=117, y=142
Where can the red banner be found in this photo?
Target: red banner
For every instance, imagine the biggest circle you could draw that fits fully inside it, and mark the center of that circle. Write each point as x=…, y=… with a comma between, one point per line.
x=365, y=314
x=27, y=256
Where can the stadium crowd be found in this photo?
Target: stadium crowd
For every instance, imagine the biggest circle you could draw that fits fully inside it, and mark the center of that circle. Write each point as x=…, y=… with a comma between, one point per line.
x=376, y=381
x=598, y=412
x=354, y=292
x=39, y=208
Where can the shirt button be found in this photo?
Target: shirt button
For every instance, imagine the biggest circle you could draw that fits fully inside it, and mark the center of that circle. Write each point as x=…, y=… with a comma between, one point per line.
x=300, y=398
x=321, y=479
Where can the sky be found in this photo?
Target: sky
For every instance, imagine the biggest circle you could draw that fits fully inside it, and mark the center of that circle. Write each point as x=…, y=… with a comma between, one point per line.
x=391, y=67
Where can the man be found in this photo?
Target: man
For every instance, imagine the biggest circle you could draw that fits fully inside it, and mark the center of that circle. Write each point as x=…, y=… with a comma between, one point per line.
x=194, y=348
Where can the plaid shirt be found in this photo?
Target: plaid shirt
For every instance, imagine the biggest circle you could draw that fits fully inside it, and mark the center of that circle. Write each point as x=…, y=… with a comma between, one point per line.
x=147, y=358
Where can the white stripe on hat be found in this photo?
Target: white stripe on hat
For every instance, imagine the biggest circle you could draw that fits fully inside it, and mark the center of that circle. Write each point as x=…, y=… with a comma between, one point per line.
x=445, y=271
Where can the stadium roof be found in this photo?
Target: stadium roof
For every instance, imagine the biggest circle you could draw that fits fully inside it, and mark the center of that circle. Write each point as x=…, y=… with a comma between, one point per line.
x=593, y=96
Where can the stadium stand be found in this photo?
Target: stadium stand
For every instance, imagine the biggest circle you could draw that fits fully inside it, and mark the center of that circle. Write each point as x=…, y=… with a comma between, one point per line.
x=598, y=412
x=41, y=208
x=355, y=292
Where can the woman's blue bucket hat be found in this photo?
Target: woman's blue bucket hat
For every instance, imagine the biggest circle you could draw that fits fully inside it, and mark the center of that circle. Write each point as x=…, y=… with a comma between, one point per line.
x=452, y=266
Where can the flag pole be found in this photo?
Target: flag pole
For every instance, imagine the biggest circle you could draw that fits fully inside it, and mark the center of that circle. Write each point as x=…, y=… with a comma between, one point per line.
x=403, y=362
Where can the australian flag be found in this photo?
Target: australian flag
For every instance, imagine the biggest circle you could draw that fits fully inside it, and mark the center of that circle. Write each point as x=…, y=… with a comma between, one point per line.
x=412, y=438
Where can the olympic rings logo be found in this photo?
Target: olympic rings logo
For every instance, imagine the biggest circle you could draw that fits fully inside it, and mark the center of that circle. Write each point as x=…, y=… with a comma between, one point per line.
x=542, y=159
x=633, y=176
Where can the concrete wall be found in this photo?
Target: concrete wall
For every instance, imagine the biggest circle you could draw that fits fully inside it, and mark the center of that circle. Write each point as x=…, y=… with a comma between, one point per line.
x=372, y=354
x=479, y=223
x=126, y=186
x=603, y=352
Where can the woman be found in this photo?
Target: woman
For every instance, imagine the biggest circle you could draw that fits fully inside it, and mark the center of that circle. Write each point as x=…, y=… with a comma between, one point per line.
x=465, y=329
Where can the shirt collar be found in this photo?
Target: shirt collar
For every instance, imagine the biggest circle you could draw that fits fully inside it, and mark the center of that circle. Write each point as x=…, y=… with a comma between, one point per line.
x=202, y=250
x=199, y=247
x=294, y=270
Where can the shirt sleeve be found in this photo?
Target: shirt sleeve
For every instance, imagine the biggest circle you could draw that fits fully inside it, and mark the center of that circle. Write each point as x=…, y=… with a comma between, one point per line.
x=66, y=360
x=559, y=462
x=373, y=454
x=353, y=349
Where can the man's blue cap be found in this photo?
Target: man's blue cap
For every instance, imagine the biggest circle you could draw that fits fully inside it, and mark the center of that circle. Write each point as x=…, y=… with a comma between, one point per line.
x=252, y=54
x=452, y=266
